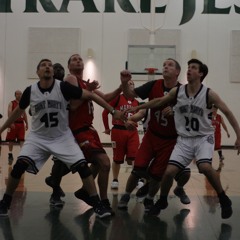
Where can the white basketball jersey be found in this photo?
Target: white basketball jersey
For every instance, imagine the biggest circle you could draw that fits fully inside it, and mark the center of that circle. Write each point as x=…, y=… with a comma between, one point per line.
x=49, y=111
x=146, y=120
x=191, y=114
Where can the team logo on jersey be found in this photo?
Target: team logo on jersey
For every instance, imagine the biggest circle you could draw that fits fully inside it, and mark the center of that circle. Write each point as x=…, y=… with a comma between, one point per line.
x=129, y=102
x=210, y=139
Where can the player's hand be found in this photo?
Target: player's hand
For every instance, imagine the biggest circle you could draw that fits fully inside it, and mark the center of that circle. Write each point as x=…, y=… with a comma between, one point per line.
x=130, y=125
x=91, y=86
x=237, y=145
x=125, y=76
x=131, y=110
x=167, y=111
x=119, y=115
x=107, y=131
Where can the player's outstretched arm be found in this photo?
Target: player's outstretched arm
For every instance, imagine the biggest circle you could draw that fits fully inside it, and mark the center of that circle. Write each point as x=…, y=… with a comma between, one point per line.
x=17, y=112
x=100, y=101
x=219, y=103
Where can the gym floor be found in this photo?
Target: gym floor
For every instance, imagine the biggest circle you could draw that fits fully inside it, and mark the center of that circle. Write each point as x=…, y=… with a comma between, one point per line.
x=31, y=217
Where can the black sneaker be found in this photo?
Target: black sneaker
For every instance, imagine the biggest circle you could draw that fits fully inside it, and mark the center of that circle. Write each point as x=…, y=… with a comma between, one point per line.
x=48, y=181
x=179, y=192
x=56, y=201
x=157, y=207
x=226, y=206
x=143, y=191
x=10, y=159
x=148, y=203
x=83, y=195
x=107, y=205
x=101, y=211
x=3, y=209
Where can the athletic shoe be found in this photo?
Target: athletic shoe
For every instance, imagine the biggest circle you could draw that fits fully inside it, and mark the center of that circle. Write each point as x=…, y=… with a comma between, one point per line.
x=56, y=201
x=179, y=192
x=157, y=207
x=107, y=205
x=123, y=203
x=221, y=158
x=140, y=183
x=83, y=195
x=114, y=184
x=101, y=211
x=10, y=159
x=226, y=206
x=148, y=203
x=3, y=209
x=143, y=191
x=48, y=181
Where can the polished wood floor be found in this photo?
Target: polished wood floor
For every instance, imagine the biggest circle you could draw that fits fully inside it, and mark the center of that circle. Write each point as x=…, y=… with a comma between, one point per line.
x=31, y=217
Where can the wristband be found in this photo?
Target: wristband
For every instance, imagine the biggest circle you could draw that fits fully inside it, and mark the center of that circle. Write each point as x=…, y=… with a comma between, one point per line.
x=113, y=111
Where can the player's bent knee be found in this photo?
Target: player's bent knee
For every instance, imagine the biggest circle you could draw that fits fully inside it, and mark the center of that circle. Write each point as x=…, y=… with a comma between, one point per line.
x=19, y=168
x=83, y=170
x=183, y=173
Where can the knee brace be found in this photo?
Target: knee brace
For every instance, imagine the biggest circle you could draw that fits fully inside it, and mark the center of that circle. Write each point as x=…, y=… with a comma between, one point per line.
x=18, y=169
x=83, y=170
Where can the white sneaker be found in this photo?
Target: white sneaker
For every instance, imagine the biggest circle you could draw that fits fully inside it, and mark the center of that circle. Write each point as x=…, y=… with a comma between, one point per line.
x=114, y=184
x=140, y=184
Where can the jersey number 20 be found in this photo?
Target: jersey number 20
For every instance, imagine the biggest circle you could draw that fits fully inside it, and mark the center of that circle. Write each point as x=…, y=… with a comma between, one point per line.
x=192, y=124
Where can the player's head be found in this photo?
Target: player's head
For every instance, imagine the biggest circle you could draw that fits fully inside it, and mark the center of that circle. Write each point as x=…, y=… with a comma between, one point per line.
x=18, y=95
x=58, y=71
x=202, y=68
x=41, y=61
x=171, y=68
x=75, y=63
x=45, y=69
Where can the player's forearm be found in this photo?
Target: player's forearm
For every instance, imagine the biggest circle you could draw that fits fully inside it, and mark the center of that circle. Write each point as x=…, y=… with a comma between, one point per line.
x=100, y=101
x=151, y=104
x=138, y=116
x=13, y=117
x=233, y=121
x=109, y=96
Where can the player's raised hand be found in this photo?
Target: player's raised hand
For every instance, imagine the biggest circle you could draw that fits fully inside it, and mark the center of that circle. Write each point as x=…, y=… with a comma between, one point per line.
x=125, y=76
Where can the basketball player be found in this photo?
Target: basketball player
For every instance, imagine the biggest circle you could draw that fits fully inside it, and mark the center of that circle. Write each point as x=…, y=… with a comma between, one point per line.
x=193, y=113
x=125, y=142
x=16, y=132
x=159, y=139
x=50, y=133
x=81, y=124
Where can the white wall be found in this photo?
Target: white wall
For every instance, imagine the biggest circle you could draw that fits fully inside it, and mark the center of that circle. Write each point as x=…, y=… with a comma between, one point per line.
x=107, y=35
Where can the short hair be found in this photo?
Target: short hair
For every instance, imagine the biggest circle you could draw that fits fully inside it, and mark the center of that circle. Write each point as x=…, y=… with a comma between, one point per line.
x=69, y=60
x=43, y=60
x=58, y=65
x=202, y=67
x=16, y=92
x=178, y=67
